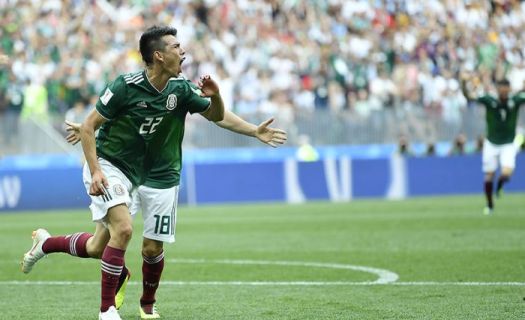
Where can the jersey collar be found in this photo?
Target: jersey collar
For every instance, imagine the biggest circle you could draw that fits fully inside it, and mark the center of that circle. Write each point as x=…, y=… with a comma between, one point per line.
x=152, y=87
x=180, y=77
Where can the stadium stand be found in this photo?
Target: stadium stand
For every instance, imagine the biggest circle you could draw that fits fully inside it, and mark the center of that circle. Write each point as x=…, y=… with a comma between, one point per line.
x=373, y=70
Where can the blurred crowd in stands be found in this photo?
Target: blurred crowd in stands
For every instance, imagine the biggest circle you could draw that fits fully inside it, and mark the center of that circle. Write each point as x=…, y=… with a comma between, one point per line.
x=275, y=57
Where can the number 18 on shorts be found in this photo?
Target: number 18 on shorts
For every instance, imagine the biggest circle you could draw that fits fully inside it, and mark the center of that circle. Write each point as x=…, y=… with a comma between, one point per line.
x=159, y=211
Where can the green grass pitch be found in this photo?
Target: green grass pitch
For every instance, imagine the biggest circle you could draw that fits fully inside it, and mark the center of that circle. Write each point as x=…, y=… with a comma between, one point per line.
x=452, y=263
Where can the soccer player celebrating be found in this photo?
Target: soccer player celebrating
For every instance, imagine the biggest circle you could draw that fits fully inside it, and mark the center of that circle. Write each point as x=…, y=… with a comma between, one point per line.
x=157, y=196
x=498, y=147
x=159, y=210
x=140, y=115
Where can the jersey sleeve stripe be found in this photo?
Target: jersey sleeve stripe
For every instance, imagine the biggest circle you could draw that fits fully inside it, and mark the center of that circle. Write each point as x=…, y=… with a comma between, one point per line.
x=130, y=79
x=134, y=79
x=131, y=76
x=137, y=81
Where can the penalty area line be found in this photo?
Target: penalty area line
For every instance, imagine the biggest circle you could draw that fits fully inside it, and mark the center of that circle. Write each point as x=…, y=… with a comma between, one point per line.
x=269, y=283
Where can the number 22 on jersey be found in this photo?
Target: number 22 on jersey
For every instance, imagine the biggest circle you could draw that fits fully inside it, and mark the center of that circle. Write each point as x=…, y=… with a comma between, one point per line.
x=149, y=125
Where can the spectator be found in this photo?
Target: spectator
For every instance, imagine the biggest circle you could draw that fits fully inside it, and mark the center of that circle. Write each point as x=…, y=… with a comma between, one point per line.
x=35, y=105
x=458, y=147
x=318, y=54
x=453, y=104
x=403, y=147
x=305, y=151
x=431, y=149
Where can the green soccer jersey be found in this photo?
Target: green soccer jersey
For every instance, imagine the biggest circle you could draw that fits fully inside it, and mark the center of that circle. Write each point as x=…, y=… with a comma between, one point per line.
x=502, y=117
x=145, y=127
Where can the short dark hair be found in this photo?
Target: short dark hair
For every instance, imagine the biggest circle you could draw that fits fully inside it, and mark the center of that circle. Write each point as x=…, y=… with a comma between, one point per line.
x=503, y=82
x=150, y=41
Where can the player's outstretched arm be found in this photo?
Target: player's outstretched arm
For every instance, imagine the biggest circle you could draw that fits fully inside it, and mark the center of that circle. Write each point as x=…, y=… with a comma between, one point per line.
x=73, y=130
x=87, y=136
x=210, y=89
x=263, y=132
x=469, y=90
x=464, y=84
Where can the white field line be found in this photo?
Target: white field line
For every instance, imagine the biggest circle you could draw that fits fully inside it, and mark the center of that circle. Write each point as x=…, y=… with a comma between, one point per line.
x=272, y=283
x=466, y=284
x=384, y=276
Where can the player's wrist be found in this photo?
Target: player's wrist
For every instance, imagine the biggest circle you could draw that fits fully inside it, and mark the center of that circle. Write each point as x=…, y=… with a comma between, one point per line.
x=95, y=170
x=255, y=132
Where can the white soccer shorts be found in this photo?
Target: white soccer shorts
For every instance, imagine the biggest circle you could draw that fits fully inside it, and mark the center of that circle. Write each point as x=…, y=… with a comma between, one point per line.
x=118, y=192
x=159, y=211
x=493, y=154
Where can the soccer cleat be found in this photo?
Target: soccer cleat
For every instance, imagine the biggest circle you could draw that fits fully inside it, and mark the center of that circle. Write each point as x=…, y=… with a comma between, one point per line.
x=36, y=253
x=488, y=211
x=121, y=291
x=149, y=311
x=110, y=314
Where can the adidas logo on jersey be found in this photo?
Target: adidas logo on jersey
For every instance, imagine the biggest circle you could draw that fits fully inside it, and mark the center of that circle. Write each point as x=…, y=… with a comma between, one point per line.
x=142, y=104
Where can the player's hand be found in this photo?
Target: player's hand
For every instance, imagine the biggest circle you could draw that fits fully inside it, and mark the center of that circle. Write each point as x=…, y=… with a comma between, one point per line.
x=270, y=136
x=99, y=184
x=208, y=86
x=73, y=129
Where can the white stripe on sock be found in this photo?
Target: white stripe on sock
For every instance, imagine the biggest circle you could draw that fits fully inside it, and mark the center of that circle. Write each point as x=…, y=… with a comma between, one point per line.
x=111, y=268
x=154, y=260
x=110, y=271
x=73, y=243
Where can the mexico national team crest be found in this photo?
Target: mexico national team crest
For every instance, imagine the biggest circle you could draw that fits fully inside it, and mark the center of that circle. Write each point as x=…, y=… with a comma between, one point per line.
x=118, y=189
x=171, y=103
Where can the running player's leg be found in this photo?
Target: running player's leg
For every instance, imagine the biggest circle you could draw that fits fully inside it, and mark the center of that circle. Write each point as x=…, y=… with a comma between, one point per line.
x=111, y=209
x=95, y=247
x=159, y=211
x=126, y=275
x=490, y=163
x=488, y=188
x=80, y=244
x=152, y=267
x=504, y=177
x=507, y=163
x=120, y=228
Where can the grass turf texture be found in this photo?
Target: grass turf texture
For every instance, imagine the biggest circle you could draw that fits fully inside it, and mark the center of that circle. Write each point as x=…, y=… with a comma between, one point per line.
x=427, y=239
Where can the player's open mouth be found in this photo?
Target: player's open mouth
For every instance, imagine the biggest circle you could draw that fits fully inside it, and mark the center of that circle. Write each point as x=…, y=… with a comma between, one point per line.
x=182, y=60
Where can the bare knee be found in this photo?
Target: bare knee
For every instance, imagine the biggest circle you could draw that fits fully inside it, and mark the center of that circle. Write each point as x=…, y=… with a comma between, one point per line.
x=120, y=226
x=124, y=232
x=151, y=248
x=121, y=235
x=507, y=172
